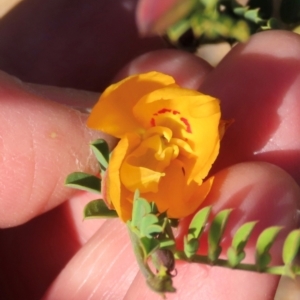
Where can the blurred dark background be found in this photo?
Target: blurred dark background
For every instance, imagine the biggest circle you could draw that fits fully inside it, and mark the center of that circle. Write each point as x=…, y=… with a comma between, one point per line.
x=71, y=43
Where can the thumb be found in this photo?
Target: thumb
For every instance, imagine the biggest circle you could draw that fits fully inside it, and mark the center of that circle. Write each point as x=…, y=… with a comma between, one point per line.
x=41, y=142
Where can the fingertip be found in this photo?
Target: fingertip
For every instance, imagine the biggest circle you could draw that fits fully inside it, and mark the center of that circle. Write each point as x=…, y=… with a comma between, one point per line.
x=283, y=43
x=257, y=84
x=256, y=191
x=41, y=143
x=188, y=70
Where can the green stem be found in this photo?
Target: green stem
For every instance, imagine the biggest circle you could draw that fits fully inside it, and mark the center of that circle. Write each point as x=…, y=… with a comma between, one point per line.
x=139, y=254
x=161, y=282
x=275, y=270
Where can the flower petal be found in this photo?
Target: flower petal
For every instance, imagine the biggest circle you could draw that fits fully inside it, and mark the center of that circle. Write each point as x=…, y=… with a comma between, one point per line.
x=175, y=196
x=144, y=167
x=170, y=137
x=117, y=194
x=113, y=112
x=192, y=117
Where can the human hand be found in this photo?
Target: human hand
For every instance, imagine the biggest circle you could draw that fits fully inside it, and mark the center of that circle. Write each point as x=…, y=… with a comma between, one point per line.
x=102, y=266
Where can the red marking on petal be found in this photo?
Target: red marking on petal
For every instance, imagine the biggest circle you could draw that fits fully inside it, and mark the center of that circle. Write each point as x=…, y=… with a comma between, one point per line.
x=164, y=110
x=152, y=122
x=155, y=114
x=175, y=112
x=187, y=124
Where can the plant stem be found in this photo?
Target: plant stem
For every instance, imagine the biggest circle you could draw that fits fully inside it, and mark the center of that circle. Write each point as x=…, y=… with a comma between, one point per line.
x=275, y=270
x=161, y=282
x=139, y=254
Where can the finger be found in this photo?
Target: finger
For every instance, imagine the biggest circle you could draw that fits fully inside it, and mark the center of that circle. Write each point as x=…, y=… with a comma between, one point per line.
x=62, y=135
x=105, y=266
x=41, y=143
x=254, y=190
x=188, y=70
x=258, y=88
x=257, y=191
x=78, y=99
x=68, y=217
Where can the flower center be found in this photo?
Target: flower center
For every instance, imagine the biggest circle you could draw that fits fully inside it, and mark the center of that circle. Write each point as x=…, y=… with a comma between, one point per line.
x=172, y=119
x=146, y=165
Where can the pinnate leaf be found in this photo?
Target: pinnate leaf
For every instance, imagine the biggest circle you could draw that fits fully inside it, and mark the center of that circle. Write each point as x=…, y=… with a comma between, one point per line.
x=149, y=226
x=166, y=243
x=149, y=245
x=84, y=181
x=264, y=242
x=198, y=223
x=242, y=235
x=141, y=207
x=234, y=257
x=98, y=209
x=101, y=151
x=291, y=247
x=253, y=15
x=215, y=234
x=240, y=10
x=190, y=247
x=236, y=252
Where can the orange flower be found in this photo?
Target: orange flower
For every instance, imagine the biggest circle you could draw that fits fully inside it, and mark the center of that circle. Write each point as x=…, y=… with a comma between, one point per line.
x=170, y=137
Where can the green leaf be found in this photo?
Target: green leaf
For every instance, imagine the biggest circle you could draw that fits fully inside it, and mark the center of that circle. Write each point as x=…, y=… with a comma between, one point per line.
x=101, y=151
x=209, y=4
x=84, y=181
x=264, y=242
x=166, y=243
x=148, y=220
x=198, y=223
x=242, y=236
x=168, y=228
x=265, y=6
x=152, y=230
x=291, y=247
x=177, y=30
x=141, y=207
x=236, y=252
x=240, y=10
x=98, y=209
x=215, y=234
x=154, y=209
x=149, y=226
x=240, y=31
x=253, y=15
x=234, y=257
x=272, y=23
x=149, y=245
x=190, y=247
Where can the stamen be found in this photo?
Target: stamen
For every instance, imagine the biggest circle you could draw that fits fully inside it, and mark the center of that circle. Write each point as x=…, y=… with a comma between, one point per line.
x=187, y=124
x=152, y=122
x=164, y=110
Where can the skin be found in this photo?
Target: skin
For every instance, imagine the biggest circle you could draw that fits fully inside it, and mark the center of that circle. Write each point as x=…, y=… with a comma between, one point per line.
x=48, y=252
